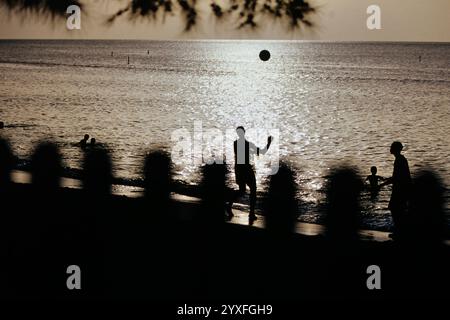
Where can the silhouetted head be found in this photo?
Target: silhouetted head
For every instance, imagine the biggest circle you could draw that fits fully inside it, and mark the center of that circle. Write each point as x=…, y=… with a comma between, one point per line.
x=343, y=212
x=6, y=163
x=427, y=215
x=46, y=167
x=2, y=124
x=240, y=132
x=396, y=147
x=158, y=175
x=213, y=188
x=281, y=205
x=97, y=172
x=93, y=141
x=373, y=170
x=86, y=137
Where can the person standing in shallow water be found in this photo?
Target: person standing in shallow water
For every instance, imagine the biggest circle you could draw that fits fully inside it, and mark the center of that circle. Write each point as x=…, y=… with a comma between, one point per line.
x=244, y=171
x=401, y=186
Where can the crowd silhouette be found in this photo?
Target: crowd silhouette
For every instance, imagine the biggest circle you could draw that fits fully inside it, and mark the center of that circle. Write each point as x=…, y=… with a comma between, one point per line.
x=155, y=247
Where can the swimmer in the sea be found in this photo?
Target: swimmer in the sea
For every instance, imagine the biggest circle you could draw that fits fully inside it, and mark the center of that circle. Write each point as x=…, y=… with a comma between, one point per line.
x=83, y=142
x=374, y=179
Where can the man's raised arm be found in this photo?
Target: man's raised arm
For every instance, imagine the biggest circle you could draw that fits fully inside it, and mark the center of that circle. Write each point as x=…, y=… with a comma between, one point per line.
x=254, y=149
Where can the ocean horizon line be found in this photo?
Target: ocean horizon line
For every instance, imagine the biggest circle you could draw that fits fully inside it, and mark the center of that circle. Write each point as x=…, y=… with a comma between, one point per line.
x=235, y=40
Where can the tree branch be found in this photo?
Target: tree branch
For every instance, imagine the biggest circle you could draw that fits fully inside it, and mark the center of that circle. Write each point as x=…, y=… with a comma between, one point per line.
x=247, y=13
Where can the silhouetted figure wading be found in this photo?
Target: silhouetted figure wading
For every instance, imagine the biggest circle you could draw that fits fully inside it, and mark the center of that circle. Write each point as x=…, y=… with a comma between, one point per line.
x=374, y=179
x=83, y=142
x=401, y=185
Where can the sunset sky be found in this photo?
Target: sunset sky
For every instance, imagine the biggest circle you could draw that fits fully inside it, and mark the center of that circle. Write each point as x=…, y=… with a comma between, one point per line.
x=401, y=20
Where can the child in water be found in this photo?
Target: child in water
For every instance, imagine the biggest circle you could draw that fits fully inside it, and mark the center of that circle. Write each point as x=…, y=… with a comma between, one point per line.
x=374, y=179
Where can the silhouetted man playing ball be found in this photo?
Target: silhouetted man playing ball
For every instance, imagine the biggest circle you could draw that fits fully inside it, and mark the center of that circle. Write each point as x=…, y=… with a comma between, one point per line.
x=245, y=173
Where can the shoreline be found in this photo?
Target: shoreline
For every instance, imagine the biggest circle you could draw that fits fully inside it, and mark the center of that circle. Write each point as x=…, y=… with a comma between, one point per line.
x=240, y=217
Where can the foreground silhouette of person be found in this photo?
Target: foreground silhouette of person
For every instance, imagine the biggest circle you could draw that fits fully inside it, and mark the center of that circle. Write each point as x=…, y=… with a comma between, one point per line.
x=97, y=173
x=401, y=187
x=342, y=205
x=422, y=254
x=6, y=165
x=164, y=241
x=89, y=229
x=244, y=171
x=83, y=142
x=158, y=184
x=46, y=168
x=7, y=212
x=210, y=240
x=46, y=216
x=280, y=209
x=426, y=217
x=281, y=204
x=342, y=220
x=213, y=193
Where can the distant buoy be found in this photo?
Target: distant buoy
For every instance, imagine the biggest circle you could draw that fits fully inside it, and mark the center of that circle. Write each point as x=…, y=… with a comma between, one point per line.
x=264, y=55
